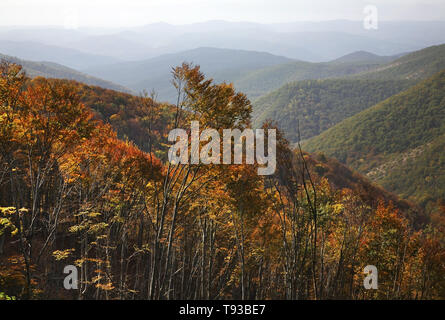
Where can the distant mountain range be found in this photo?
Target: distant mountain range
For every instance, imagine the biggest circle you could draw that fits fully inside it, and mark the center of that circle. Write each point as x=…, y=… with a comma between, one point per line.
x=41, y=52
x=264, y=57
x=310, y=41
x=220, y=64
x=252, y=72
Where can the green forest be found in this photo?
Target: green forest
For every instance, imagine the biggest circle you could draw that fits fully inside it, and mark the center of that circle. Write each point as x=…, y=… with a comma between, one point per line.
x=405, y=129
x=307, y=108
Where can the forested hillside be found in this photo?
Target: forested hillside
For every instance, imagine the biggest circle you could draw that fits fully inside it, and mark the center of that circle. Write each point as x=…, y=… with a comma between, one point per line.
x=416, y=65
x=139, y=227
x=54, y=70
x=313, y=106
x=139, y=119
x=396, y=142
x=424, y=165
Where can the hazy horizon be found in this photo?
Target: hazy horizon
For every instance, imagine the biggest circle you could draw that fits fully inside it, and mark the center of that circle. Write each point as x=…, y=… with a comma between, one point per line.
x=134, y=13
x=40, y=26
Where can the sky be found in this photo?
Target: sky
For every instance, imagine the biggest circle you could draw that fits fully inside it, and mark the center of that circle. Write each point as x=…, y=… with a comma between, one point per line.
x=127, y=13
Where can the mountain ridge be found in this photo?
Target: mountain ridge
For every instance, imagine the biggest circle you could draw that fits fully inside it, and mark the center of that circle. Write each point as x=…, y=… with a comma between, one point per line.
x=55, y=70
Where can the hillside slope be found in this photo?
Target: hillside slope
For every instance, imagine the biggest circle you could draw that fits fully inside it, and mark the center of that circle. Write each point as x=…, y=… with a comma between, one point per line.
x=341, y=177
x=140, y=120
x=385, y=141
x=425, y=165
x=320, y=104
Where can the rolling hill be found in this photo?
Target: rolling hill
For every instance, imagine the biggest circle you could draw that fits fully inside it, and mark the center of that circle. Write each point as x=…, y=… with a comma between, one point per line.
x=364, y=56
x=398, y=142
x=54, y=70
x=320, y=104
x=155, y=73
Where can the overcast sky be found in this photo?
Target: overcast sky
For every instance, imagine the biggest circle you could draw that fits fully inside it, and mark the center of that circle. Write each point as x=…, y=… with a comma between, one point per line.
x=121, y=13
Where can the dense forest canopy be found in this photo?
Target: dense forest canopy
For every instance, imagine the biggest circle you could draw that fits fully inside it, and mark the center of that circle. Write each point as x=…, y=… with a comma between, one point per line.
x=139, y=227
